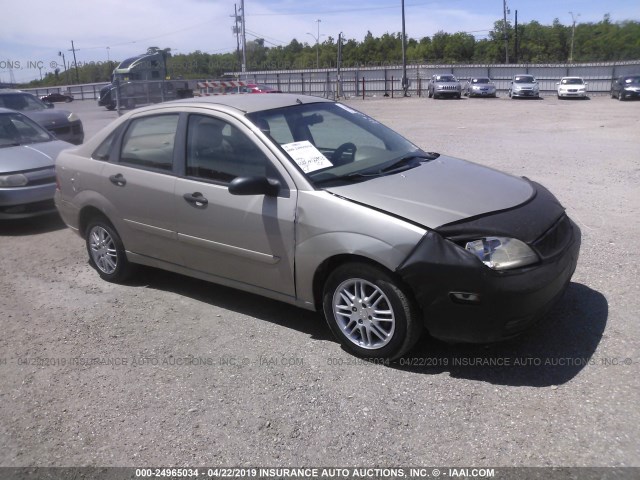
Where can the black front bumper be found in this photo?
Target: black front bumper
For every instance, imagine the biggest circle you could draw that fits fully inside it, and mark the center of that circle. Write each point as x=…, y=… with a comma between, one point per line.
x=499, y=304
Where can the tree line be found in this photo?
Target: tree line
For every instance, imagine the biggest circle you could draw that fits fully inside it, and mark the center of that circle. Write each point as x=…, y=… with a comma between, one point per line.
x=530, y=43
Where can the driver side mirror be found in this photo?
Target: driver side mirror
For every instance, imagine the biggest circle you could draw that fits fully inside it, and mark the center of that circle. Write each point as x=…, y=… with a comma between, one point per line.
x=254, y=186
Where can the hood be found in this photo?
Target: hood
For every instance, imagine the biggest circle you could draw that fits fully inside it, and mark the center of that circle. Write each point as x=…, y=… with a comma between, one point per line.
x=48, y=118
x=440, y=191
x=30, y=156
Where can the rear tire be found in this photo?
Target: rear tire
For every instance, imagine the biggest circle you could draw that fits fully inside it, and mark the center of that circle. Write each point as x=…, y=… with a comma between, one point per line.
x=369, y=312
x=106, y=251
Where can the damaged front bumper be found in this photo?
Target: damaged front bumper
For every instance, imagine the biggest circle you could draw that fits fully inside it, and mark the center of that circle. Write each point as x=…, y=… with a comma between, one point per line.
x=463, y=300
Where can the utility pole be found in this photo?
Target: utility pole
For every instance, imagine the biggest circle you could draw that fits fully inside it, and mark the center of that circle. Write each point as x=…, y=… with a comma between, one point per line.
x=317, y=39
x=318, y=46
x=573, y=34
x=64, y=64
x=339, y=63
x=236, y=31
x=506, y=35
x=405, y=80
x=515, y=47
x=75, y=62
x=244, y=39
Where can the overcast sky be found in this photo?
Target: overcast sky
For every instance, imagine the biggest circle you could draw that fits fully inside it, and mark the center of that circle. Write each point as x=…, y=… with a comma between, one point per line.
x=32, y=32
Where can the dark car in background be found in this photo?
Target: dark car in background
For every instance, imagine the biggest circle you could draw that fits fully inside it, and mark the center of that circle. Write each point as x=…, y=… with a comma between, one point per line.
x=445, y=85
x=57, y=97
x=63, y=124
x=480, y=87
x=626, y=86
x=27, y=174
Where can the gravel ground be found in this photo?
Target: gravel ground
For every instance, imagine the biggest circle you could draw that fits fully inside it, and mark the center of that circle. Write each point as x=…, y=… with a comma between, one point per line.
x=173, y=371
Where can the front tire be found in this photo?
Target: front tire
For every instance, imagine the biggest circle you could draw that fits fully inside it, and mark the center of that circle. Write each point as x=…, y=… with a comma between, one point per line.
x=369, y=312
x=106, y=251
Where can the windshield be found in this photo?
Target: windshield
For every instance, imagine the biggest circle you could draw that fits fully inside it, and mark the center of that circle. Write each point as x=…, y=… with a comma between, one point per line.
x=16, y=129
x=21, y=101
x=632, y=80
x=572, y=81
x=524, y=79
x=445, y=78
x=330, y=141
x=480, y=80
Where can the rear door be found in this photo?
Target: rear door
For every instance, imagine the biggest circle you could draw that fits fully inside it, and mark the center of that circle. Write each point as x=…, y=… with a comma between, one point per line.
x=140, y=186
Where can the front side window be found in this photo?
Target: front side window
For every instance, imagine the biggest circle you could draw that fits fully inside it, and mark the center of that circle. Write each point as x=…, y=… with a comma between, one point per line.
x=149, y=141
x=219, y=152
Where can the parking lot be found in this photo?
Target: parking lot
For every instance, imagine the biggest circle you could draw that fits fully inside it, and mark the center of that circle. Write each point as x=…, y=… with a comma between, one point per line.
x=173, y=371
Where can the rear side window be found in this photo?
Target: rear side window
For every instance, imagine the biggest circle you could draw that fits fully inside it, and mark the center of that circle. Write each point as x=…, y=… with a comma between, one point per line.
x=149, y=142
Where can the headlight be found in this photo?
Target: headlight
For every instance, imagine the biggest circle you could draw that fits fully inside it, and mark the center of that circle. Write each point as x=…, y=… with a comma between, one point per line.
x=72, y=117
x=501, y=253
x=13, y=180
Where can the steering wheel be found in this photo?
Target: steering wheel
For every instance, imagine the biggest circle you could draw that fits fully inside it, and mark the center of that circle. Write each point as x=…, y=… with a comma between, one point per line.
x=337, y=157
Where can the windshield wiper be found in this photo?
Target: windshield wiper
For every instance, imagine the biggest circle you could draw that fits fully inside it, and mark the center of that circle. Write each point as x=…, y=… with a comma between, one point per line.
x=408, y=161
x=395, y=166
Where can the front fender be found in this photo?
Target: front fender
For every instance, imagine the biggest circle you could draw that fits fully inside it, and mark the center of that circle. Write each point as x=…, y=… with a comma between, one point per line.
x=330, y=226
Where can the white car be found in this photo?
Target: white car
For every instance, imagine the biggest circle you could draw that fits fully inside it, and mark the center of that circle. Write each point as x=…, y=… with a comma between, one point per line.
x=572, y=87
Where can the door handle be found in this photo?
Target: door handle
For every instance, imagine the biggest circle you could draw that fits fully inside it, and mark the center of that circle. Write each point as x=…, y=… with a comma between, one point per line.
x=196, y=199
x=118, y=180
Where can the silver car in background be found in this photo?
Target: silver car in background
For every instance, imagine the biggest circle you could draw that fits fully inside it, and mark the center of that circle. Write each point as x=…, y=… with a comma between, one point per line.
x=27, y=175
x=480, y=87
x=444, y=85
x=524, y=86
x=313, y=203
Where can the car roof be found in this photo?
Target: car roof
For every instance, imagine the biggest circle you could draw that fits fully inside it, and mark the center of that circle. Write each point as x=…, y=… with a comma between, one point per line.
x=246, y=103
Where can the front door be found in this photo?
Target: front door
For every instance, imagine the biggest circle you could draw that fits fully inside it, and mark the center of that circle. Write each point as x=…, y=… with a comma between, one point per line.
x=244, y=238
